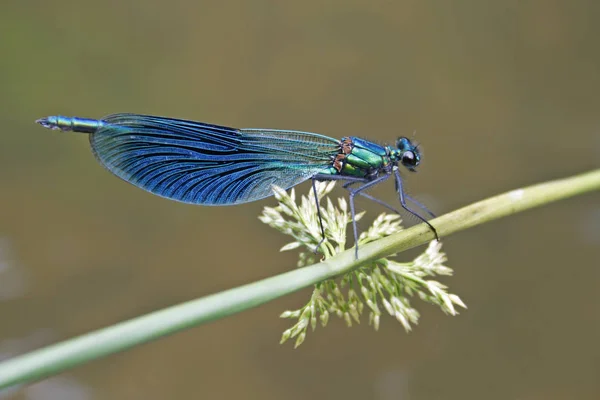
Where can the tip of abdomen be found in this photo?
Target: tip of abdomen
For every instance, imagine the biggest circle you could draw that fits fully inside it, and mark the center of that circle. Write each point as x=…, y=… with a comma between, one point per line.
x=48, y=122
x=74, y=124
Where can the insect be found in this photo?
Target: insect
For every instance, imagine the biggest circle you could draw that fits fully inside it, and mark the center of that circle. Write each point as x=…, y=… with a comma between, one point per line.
x=199, y=163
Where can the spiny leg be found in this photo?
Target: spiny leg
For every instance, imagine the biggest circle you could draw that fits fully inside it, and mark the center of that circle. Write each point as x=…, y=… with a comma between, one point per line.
x=354, y=192
x=376, y=200
x=313, y=179
x=420, y=205
x=368, y=196
x=403, y=203
x=349, y=180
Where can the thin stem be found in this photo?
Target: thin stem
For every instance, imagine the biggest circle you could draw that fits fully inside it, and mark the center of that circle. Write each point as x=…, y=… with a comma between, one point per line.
x=61, y=356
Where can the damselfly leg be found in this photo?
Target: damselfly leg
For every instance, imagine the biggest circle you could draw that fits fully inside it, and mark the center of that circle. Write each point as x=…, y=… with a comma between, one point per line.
x=403, y=197
x=367, y=184
x=353, y=192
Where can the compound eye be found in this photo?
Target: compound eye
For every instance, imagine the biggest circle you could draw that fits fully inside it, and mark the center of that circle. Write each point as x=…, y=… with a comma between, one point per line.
x=409, y=159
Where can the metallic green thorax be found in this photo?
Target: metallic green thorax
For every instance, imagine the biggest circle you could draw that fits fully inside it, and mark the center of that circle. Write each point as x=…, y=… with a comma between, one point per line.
x=364, y=159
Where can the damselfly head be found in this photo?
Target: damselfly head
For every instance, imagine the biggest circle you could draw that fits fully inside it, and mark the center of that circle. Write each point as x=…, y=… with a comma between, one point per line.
x=408, y=154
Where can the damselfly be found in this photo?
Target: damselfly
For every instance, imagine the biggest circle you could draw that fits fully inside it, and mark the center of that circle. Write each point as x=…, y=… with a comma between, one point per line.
x=206, y=164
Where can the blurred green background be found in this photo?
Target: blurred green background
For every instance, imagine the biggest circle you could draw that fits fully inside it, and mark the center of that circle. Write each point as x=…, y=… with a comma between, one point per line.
x=501, y=94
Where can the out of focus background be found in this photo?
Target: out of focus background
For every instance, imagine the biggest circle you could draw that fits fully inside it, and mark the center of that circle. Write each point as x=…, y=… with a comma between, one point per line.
x=500, y=94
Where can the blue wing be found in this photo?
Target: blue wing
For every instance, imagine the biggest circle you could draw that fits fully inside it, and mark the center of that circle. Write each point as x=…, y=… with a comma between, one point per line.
x=199, y=163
